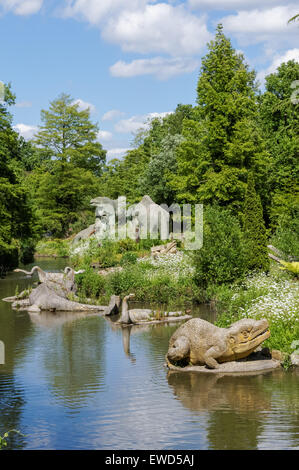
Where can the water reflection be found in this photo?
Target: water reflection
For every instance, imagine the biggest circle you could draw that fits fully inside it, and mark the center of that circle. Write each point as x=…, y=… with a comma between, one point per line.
x=126, y=332
x=78, y=381
x=239, y=407
x=74, y=360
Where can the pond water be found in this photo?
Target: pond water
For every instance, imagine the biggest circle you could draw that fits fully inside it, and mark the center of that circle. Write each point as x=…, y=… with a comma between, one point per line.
x=74, y=381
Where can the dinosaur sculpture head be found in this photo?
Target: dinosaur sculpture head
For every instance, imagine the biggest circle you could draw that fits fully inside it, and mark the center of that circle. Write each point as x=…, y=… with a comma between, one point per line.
x=245, y=336
x=179, y=349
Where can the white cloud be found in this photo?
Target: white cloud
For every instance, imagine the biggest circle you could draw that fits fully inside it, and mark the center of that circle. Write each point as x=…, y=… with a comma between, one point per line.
x=158, y=28
x=160, y=67
x=232, y=4
x=22, y=7
x=292, y=54
x=26, y=131
x=112, y=114
x=116, y=153
x=144, y=26
x=262, y=25
x=82, y=105
x=96, y=11
x=23, y=104
x=105, y=135
x=134, y=123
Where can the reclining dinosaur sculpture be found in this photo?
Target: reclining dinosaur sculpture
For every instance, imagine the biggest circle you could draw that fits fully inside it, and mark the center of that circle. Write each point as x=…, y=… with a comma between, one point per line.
x=139, y=315
x=198, y=342
x=53, y=294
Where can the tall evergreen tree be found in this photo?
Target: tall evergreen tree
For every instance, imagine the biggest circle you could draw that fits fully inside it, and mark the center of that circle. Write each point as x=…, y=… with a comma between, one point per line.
x=15, y=212
x=67, y=134
x=279, y=115
x=223, y=141
x=254, y=229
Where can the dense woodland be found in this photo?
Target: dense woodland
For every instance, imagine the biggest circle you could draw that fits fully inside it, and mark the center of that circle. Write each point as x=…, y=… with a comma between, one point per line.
x=236, y=151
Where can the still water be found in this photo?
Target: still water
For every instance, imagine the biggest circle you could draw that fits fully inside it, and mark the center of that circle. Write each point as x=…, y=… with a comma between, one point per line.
x=75, y=381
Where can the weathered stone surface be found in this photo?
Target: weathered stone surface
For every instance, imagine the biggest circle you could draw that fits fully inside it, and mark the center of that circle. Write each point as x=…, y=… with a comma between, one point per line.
x=45, y=298
x=278, y=355
x=198, y=342
x=234, y=367
x=163, y=249
x=113, y=307
x=139, y=316
x=295, y=359
x=53, y=294
x=84, y=234
x=148, y=216
x=61, y=283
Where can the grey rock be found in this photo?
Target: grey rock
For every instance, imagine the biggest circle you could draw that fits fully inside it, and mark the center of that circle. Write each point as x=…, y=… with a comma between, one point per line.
x=232, y=368
x=294, y=359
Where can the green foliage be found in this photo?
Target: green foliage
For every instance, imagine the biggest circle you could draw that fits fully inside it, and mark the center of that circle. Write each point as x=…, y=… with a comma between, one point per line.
x=254, y=230
x=16, y=218
x=286, y=236
x=128, y=258
x=222, y=256
x=151, y=285
x=90, y=284
x=155, y=181
x=67, y=161
x=122, y=177
x=4, y=438
x=60, y=196
x=294, y=18
x=256, y=299
x=279, y=120
x=67, y=134
x=222, y=140
x=54, y=247
x=144, y=170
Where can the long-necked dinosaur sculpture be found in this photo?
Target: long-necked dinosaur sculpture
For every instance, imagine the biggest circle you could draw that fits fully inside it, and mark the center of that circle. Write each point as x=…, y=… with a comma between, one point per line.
x=145, y=315
x=56, y=292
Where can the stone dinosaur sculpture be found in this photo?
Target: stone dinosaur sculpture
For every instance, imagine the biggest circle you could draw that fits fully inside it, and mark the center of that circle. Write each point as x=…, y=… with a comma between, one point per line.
x=53, y=294
x=61, y=283
x=138, y=315
x=198, y=342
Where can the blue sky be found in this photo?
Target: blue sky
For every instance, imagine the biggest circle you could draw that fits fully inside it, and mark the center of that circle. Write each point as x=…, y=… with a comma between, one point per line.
x=129, y=60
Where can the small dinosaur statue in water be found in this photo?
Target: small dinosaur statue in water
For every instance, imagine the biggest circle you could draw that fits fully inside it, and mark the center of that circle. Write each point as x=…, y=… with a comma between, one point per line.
x=138, y=315
x=198, y=342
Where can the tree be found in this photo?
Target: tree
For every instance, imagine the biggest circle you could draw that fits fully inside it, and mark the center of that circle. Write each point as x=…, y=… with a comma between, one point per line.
x=155, y=181
x=62, y=196
x=67, y=134
x=122, y=177
x=16, y=217
x=254, y=230
x=294, y=18
x=145, y=169
x=222, y=141
x=279, y=117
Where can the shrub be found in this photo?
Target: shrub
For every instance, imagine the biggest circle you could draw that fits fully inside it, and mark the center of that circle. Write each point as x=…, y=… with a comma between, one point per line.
x=286, y=237
x=128, y=258
x=222, y=256
x=89, y=284
x=255, y=233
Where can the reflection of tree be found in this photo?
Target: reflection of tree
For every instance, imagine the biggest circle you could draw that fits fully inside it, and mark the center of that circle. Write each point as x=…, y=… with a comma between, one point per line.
x=74, y=359
x=15, y=330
